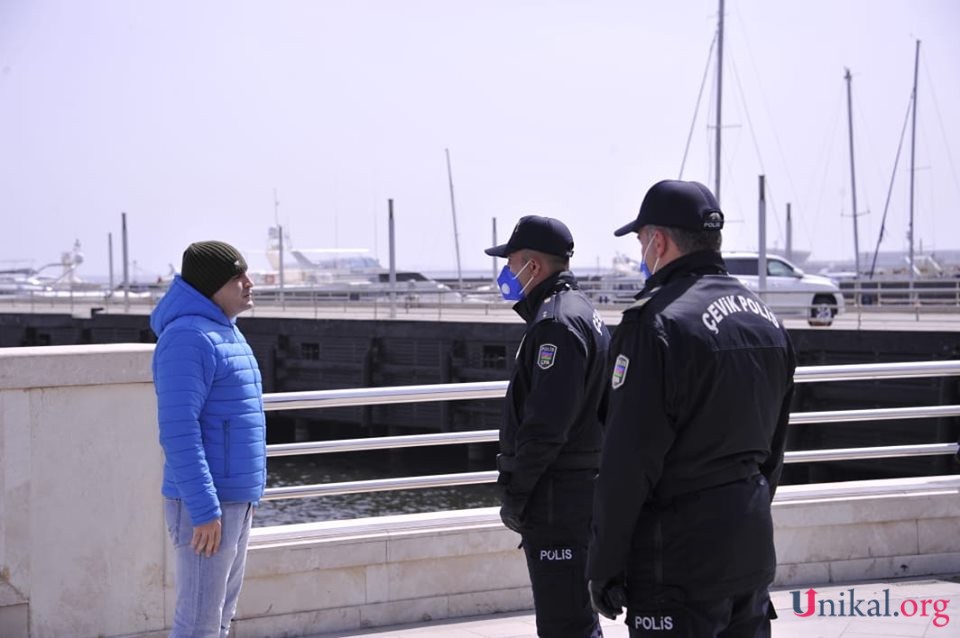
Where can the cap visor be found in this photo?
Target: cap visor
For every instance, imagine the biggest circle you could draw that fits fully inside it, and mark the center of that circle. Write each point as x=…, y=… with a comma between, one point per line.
x=623, y=230
x=498, y=251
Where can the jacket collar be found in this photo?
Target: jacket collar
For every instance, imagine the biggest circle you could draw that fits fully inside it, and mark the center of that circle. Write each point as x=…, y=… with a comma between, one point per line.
x=528, y=306
x=182, y=299
x=704, y=262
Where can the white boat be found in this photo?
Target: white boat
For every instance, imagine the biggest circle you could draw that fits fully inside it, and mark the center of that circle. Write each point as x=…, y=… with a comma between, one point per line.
x=26, y=281
x=348, y=274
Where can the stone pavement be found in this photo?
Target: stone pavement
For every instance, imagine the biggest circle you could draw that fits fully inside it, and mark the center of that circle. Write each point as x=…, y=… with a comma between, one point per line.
x=921, y=607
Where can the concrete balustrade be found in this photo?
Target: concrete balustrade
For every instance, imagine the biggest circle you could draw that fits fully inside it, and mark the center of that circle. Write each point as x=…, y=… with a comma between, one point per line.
x=84, y=551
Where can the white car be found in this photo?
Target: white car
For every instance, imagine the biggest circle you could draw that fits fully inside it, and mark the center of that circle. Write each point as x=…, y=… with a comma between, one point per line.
x=789, y=291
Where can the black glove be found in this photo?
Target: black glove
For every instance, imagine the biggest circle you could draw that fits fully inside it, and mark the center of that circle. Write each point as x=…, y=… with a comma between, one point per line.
x=511, y=512
x=608, y=597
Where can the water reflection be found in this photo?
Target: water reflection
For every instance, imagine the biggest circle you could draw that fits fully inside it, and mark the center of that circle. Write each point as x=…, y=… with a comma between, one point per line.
x=334, y=468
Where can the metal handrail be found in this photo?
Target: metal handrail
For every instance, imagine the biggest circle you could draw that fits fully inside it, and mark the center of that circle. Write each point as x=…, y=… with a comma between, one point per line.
x=497, y=389
x=353, y=397
x=873, y=371
x=478, y=478
x=874, y=414
x=489, y=436
x=884, y=452
x=381, y=443
x=380, y=485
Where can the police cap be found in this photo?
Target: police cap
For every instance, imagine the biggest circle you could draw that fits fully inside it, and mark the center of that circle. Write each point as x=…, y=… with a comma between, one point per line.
x=678, y=204
x=533, y=232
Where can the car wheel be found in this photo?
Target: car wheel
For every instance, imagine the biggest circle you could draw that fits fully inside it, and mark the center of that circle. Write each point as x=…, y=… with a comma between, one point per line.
x=822, y=311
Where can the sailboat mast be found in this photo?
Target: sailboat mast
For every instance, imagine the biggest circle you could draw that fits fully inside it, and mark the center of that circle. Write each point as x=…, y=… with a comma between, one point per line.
x=276, y=219
x=789, y=249
x=453, y=209
x=913, y=151
x=716, y=187
x=853, y=176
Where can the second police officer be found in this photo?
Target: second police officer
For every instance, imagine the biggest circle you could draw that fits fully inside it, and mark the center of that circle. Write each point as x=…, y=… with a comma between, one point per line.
x=700, y=387
x=550, y=435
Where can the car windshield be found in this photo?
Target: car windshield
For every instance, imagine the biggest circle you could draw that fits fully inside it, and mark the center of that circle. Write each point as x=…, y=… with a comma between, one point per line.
x=741, y=265
x=777, y=268
x=748, y=266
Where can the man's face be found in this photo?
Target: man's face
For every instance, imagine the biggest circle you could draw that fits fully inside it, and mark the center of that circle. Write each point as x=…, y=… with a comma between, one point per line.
x=516, y=261
x=646, y=237
x=235, y=296
x=524, y=265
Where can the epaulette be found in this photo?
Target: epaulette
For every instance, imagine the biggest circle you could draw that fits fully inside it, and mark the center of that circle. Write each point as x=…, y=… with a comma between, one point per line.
x=642, y=301
x=547, y=309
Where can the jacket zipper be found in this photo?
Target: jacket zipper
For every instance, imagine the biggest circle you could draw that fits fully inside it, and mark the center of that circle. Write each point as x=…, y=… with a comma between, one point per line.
x=226, y=448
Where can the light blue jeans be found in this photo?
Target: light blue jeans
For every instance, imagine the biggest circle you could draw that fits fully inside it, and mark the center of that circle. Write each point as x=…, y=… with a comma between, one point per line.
x=208, y=588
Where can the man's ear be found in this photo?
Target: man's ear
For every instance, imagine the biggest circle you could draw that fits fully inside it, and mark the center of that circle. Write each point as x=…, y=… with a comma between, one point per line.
x=661, y=242
x=536, y=264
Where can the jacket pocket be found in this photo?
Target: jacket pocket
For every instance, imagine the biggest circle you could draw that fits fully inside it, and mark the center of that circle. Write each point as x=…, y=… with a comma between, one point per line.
x=226, y=448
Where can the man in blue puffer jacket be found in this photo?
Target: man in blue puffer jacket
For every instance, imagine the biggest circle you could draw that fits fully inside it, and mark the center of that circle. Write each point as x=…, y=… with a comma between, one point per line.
x=212, y=430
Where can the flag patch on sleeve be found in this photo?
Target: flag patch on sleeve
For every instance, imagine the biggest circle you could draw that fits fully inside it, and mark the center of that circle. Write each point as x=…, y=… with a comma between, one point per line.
x=619, y=371
x=546, y=356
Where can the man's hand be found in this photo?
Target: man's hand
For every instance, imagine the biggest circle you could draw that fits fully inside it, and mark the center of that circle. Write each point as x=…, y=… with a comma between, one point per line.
x=206, y=538
x=511, y=512
x=608, y=597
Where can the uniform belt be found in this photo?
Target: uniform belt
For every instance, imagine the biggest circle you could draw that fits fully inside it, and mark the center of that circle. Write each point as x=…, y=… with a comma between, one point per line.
x=733, y=475
x=566, y=461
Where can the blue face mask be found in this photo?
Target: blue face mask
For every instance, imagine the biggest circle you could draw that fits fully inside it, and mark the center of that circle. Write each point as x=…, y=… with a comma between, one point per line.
x=509, y=284
x=644, y=270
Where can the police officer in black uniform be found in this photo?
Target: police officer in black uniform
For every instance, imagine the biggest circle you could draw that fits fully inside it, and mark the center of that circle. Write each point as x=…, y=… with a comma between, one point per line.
x=701, y=377
x=550, y=437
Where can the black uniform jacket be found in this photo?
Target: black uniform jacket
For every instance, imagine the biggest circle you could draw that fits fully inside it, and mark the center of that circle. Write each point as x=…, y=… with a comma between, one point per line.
x=701, y=377
x=551, y=416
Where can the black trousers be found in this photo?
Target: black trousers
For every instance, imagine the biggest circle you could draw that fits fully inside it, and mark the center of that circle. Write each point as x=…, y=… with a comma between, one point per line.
x=742, y=616
x=555, y=537
x=700, y=565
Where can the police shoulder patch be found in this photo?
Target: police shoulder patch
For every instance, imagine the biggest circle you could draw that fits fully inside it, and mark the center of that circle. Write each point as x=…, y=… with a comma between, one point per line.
x=546, y=355
x=619, y=371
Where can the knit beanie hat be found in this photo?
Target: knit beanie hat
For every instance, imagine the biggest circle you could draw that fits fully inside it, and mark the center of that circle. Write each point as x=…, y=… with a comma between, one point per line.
x=207, y=265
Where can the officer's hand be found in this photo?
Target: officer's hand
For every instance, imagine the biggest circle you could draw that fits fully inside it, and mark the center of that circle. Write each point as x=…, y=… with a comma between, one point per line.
x=511, y=513
x=608, y=597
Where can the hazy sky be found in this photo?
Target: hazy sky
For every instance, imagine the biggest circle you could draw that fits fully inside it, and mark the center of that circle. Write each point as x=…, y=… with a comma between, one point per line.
x=187, y=115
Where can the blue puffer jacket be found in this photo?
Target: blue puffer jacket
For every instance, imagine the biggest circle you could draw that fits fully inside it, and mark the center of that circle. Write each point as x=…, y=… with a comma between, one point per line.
x=210, y=405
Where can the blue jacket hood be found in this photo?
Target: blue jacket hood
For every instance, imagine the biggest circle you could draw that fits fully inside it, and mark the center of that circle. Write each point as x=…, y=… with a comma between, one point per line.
x=181, y=300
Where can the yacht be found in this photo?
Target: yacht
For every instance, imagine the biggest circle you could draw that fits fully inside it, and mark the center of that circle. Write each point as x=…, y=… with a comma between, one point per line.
x=342, y=274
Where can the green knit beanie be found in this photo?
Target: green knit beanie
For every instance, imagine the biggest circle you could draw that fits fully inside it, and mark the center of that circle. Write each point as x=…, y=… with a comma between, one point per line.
x=207, y=265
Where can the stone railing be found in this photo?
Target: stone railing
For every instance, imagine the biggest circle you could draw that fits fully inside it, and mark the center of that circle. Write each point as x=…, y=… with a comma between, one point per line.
x=84, y=550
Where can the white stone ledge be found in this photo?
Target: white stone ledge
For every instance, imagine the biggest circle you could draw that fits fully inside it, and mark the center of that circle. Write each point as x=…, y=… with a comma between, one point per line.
x=859, y=570
x=380, y=527
x=343, y=575
x=52, y=366
x=387, y=613
x=793, y=505
x=948, y=484
x=340, y=575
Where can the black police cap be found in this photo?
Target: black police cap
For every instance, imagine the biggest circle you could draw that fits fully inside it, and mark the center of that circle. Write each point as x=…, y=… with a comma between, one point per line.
x=678, y=204
x=533, y=232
